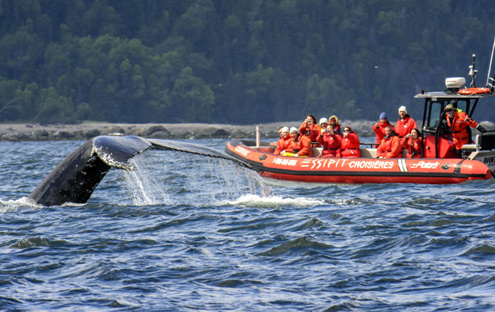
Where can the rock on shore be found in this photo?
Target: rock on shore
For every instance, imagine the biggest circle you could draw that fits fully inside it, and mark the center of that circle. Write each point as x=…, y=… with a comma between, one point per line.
x=87, y=130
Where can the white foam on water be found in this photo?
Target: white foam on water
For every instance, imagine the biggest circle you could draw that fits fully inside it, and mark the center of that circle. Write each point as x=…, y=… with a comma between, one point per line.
x=15, y=205
x=253, y=200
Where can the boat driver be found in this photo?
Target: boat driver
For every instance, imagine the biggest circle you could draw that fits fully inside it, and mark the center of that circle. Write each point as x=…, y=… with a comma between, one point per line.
x=458, y=122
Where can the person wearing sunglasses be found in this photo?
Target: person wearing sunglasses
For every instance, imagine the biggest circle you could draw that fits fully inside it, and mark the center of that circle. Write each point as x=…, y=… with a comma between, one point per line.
x=458, y=122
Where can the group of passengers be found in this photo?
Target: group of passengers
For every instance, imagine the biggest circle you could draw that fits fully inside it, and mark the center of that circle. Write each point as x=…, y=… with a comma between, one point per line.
x=390, y=140
x=327, y=134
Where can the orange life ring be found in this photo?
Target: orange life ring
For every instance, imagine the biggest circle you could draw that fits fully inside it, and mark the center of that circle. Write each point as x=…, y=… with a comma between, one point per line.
x=472, y=91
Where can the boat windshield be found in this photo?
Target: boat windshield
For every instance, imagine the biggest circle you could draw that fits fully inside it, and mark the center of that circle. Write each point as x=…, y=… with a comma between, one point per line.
x=436, y=108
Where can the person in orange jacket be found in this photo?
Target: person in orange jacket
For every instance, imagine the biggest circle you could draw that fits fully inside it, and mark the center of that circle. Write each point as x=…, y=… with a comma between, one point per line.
x=390, y=146
x=284, y=141
x=300, y=144
x=330, y=141
x=379, y=128
x=413, y=143
x=350, y=144
x=458, y=121
x=334, y=121
x=405, y=123
x=310, y=128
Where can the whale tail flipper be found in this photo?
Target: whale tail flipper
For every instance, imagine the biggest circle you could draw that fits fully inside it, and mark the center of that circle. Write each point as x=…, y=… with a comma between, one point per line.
x=77, y=175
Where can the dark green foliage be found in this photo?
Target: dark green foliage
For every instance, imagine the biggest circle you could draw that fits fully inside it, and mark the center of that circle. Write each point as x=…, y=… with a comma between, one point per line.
x=232, y=61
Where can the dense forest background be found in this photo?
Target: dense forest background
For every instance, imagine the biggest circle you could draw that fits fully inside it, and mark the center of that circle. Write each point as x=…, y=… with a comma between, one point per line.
x=226, y=61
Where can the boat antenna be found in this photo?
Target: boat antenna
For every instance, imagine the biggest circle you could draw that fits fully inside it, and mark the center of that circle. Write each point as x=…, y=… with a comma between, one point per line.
x=473, y=72
x=488, y=79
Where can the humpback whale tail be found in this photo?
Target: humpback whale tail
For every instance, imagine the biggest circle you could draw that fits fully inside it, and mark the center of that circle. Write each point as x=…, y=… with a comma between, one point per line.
x=76, y=176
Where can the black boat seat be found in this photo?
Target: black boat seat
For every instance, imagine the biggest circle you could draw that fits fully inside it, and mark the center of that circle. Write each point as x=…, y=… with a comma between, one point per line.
x=482, y=142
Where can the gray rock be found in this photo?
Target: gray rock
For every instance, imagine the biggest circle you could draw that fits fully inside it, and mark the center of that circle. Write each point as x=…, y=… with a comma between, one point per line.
x=151, y=130
x=91, y=133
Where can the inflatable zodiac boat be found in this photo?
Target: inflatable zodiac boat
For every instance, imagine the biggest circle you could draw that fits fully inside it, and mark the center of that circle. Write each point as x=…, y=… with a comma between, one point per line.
x=355, y=170
x=439, y=162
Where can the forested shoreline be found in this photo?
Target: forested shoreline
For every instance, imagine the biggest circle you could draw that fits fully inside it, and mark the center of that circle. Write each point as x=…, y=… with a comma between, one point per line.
x=229, y=61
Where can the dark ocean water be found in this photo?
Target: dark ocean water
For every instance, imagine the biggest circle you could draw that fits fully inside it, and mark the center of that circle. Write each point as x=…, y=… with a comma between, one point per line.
x=186, y=233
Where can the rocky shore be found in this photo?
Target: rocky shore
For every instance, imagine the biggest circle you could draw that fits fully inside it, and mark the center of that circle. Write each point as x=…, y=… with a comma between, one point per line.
x=86, y=130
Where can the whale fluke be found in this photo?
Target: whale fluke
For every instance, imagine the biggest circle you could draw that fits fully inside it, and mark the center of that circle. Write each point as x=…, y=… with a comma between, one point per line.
x=78, y=174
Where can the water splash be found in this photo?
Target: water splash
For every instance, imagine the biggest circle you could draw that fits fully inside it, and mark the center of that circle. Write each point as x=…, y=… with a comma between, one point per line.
x=226, y=181
x=15, y=205
x=189, y=178
x=142, y=186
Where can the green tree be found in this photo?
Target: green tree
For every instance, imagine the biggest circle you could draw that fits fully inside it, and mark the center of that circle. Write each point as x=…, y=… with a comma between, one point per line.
x=192, y=98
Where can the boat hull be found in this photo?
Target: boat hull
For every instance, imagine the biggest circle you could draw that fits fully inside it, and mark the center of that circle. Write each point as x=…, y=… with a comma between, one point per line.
x=357, y=170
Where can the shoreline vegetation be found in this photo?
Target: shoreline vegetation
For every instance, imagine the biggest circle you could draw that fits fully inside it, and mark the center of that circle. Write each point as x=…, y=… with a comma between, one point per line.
x=17, y=132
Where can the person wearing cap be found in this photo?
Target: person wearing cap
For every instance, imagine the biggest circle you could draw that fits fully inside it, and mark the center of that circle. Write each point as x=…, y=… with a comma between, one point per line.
x=405, y=123
x=300, y=145
x=413, y=143
x=334, y=121
x=309, y=128
x=323, y=125
x=379, y=128
x=284, y=141
x=458, y=122
x=350, y=144
x=390, y=146
x=330, y=141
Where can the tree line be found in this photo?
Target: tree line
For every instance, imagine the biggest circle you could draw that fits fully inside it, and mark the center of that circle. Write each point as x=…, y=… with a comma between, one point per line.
x=232, y=61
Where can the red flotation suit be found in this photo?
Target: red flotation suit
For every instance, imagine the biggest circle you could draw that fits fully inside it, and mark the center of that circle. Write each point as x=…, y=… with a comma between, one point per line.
x=458, y=126
x=413, y=147
x=311, y=131
x=330, y=143
x=350, y=146
x=283, y=144
x=379, y=129
x=404, y=126
x=301, y=147
x=390, y=147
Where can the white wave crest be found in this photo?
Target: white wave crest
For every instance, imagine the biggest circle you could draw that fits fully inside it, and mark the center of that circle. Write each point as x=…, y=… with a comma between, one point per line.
x=252, y=200
x=15, y=205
